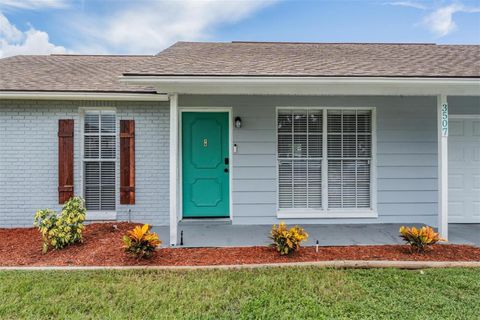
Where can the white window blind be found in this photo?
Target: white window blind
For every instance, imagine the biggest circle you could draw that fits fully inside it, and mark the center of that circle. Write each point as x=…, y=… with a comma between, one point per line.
x=99, y=158
x=300, y=158
x=348, y=154
x=349, y=157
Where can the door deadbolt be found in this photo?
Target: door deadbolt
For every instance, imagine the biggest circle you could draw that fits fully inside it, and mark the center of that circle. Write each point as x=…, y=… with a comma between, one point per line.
x=205, y=142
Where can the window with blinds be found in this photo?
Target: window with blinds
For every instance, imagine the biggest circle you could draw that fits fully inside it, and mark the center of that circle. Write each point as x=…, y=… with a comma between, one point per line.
x=349, y=157
x=345, y=158
x=99, y=160
x=300, y=158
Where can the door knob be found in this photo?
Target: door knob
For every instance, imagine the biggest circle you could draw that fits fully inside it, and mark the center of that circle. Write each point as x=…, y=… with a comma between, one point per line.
x=225, y=170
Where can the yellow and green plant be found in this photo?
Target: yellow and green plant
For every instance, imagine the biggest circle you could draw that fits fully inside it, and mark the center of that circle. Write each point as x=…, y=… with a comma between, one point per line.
x=420, y=238
x=285, y=240
x=63, y=229
x=141, y=242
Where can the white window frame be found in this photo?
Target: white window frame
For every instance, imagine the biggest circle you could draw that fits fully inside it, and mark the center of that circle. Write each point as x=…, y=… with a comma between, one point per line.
x=98, y=214
x=325, y=212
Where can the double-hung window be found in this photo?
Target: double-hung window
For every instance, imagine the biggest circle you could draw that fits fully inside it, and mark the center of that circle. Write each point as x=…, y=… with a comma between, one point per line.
x=325, y=161
x=99, y=160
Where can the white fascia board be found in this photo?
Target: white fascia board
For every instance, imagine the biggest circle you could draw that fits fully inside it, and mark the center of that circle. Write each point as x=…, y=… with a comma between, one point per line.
x=309, y=85
x=39, y=95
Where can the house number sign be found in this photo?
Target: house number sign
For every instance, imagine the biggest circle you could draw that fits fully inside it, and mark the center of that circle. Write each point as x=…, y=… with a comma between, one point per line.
x=444, y=119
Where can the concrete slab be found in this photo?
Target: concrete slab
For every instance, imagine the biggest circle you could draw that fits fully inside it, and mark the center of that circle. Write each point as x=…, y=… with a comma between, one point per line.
x=340, y=264
x=207, y=234
x=465, y=233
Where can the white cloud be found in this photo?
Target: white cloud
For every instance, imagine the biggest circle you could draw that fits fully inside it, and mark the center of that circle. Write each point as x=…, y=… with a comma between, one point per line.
x=441, y=22
x=33, y=4
x=8, y=31
x=148, y=27
x=15, y=42
x=411, y=4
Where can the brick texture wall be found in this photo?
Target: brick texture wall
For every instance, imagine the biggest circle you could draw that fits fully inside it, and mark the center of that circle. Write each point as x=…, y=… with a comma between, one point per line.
x=29, y=158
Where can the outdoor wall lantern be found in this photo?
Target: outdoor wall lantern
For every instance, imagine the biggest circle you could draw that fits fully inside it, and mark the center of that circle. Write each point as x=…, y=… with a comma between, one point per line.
x=238, y=122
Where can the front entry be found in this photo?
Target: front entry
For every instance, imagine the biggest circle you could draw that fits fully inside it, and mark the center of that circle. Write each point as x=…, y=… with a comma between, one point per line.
x=205, y=165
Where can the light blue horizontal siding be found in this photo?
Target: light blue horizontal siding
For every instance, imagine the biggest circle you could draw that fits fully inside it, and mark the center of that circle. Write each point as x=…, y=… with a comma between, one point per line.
x=254, y=160
x=395, y=148
x=256, y=148
x=255, y=136
x=407, y=184
x=406, y=155
x=464, y=105
x=405, y=159
x=407, y=172
x=256, y=197
x=241, y=184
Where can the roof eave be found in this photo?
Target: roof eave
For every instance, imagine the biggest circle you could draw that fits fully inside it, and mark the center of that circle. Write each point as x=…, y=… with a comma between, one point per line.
x=308, y=85
x=78, y=95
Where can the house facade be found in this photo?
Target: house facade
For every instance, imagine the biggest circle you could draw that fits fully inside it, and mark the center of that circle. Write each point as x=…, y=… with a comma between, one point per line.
x=246, y=133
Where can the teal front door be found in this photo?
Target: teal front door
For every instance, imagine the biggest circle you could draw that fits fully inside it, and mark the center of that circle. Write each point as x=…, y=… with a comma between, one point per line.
x=205, y=165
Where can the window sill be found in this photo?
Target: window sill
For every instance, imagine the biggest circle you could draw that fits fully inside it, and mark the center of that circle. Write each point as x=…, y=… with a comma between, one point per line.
x=335, y=214
x=101, y=215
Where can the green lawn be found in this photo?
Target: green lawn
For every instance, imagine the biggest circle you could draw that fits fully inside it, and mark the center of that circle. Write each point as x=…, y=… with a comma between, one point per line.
x=275, y=293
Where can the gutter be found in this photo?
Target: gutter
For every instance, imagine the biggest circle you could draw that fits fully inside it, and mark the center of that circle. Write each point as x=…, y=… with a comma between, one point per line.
x=236, y=80
x=307, y=85
x=98, y=96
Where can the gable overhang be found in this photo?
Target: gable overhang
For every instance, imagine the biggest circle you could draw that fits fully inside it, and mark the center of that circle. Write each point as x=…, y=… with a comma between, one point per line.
x=253, y=85
x=97, y=96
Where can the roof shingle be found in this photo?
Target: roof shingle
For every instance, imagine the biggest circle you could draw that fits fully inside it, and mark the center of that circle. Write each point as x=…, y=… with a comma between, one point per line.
x=314, y=59
x=69, y=73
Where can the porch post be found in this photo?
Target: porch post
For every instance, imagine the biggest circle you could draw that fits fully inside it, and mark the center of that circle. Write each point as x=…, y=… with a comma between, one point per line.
x=173, y=196
x=442, y=128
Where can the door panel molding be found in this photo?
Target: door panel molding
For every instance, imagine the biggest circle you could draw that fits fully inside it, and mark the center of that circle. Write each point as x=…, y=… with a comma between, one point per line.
x=229, y=111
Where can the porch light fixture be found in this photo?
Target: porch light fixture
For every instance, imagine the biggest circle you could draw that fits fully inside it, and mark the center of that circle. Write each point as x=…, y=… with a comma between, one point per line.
x=238, y=122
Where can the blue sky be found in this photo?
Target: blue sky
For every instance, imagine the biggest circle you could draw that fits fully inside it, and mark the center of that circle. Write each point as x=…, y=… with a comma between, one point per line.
x=147, y=26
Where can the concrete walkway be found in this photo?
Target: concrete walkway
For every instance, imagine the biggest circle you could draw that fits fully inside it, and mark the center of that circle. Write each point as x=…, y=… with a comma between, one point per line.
x=340, y=264
x=222, y=234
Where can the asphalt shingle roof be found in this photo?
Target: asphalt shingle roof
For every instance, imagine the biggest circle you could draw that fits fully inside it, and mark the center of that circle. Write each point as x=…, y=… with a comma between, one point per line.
x=96, y=73
x=69, y=73
x=314, y=59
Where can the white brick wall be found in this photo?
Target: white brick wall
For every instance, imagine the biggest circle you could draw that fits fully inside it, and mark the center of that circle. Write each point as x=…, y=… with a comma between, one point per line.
x=29, y=158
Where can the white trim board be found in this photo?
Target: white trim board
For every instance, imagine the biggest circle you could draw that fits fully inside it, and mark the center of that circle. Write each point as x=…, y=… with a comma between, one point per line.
x=442, y=139
x=308, y=85
x=38, y=95
x=229, y=110
x=173, y=164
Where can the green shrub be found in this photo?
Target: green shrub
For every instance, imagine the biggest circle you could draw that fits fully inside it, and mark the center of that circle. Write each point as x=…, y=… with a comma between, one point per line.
x=140, y=242
x=61, y=230
x=287, y=241
x=419, y=239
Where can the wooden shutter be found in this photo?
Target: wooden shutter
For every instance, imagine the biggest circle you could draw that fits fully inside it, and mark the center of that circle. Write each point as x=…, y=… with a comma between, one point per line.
x=127, y=161
x=65, y=160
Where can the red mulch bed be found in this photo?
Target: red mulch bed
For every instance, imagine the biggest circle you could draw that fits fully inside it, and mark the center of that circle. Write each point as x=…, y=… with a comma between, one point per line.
x=102, y=246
